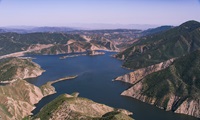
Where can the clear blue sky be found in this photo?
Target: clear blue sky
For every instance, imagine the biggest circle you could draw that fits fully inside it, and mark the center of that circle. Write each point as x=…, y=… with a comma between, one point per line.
x=64, y=12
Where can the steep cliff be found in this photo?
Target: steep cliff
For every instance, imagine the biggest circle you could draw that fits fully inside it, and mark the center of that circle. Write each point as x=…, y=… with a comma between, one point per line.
x=72, y=107
x=134, y=77
x=18, y=99
x=18, y=96
x=175, y=88
x=18, y=68
x=74, y=46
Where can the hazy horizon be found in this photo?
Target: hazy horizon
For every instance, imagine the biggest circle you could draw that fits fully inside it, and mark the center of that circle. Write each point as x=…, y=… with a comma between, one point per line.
x=92, y=26
x=80, y=13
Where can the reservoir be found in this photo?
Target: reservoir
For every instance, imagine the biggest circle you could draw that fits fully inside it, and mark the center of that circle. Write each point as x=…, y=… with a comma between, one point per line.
x=95, y=82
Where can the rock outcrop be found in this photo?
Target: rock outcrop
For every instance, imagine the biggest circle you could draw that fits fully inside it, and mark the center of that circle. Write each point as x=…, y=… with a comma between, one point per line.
x=169, y=102
x=18, y=68
x=190, y=107
x=17, y=95
x=174, y=88
x=134, y=77
x=18, y=99
x=73, y=107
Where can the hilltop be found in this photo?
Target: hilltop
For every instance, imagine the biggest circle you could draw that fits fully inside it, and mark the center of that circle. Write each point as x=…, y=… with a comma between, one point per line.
x=72, y=107
x=18, y=68
x=156, y=48
x=174, y=88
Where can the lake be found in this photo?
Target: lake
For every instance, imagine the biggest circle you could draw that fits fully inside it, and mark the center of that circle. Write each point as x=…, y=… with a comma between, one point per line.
x=94, y=81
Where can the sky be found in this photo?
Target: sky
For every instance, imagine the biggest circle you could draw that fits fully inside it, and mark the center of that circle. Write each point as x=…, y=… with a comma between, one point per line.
x=74, y=12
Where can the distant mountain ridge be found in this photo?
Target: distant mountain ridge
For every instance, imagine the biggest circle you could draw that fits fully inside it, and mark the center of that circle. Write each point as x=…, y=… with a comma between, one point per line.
x=35, y=29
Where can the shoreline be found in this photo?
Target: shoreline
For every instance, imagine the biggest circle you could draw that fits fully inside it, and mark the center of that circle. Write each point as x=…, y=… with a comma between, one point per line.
x=49, y=89
x=23, y=53
x=62, y=79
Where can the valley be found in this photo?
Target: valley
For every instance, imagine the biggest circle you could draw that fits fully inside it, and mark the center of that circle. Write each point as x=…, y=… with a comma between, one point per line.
x=160, y=67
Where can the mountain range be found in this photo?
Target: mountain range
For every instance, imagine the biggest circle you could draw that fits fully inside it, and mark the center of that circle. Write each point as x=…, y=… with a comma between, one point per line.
x=166, y=69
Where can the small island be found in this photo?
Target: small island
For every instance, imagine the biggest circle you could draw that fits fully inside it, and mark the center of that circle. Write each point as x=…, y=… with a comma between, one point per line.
x=94, y=53
x=70, y=56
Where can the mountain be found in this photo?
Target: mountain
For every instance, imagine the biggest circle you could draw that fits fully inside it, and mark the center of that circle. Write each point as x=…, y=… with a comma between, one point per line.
x=166, y=69
x=163, y=46
x=51, y=29
x=50, y=43
x=2, y=30
x=156, y=30
x=18, y=68
x=175, y=87
x=18, y=97
x=72, y=107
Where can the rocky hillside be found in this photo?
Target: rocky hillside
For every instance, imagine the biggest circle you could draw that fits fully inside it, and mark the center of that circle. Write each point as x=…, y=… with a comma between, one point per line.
x=174, y=88
x=137, y=75
x=161, y=47
x=18, y=68
x=18, y=99
x=50, y=43
x=18, y=96
x=71, y=107
x=73, y=46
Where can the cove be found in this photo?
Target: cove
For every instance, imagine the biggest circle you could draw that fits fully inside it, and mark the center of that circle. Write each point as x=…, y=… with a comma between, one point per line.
x=94, y=81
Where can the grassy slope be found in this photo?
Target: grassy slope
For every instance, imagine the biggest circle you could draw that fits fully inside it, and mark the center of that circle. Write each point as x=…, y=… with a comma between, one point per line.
x=9, y=67
x=161, y=47
x=48, y=110
x=182, y=79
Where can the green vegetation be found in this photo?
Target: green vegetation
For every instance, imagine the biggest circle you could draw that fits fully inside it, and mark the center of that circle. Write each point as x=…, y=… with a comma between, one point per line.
x=182, y=79
x=48, y=88
x=48, y=109
x=156, y=30
x=160, y=47
x=12, y=68
x=5, y=110
x=77, y=108
x=13, y=42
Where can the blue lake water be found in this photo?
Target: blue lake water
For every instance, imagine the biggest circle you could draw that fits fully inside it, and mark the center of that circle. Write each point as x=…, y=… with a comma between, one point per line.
x=94, y=81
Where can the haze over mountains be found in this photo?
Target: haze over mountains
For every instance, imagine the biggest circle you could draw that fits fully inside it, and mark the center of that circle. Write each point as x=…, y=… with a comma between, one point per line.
x=75, y=26
x=56, y=40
